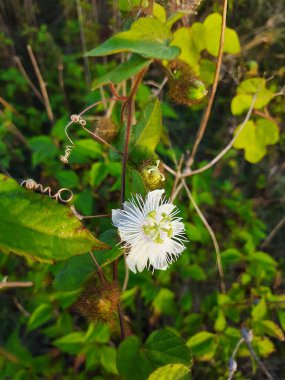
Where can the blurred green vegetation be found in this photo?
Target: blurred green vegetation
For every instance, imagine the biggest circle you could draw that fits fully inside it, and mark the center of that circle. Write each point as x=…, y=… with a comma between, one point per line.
x=178, y=317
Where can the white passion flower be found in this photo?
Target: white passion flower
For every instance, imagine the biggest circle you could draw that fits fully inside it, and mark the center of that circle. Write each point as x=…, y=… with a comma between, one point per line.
x=151, y=231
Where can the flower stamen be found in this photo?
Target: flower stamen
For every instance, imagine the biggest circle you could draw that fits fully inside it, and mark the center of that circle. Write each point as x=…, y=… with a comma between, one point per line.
x=155, y=229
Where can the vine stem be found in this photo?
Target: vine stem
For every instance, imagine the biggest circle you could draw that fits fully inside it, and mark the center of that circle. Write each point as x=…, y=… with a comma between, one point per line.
x=208, y=110
x=100, y=270
x=212, y=234
x=226, y=149
x=128, y=105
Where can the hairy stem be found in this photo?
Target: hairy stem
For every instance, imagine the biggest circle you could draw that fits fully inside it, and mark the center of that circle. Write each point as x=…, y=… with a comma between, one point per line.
x=129, y=106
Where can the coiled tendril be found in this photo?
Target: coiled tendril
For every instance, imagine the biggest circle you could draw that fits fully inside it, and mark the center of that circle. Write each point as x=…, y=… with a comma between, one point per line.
x=33, y=185
x=68, y=148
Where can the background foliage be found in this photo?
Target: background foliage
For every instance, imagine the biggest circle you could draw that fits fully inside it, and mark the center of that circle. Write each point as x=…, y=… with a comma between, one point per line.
x=177, y=317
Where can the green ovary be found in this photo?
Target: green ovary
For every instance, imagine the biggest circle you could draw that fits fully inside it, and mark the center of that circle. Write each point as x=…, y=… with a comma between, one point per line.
x=154, y=228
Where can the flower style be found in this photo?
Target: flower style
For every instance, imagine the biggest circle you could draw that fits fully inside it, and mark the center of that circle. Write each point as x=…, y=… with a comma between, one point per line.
x=150, y=230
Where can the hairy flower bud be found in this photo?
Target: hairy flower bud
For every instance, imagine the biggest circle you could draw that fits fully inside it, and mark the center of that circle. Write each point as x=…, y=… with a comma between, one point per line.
x=184, y=86
x=106, y=129
x=153, y=175
x=99, y=302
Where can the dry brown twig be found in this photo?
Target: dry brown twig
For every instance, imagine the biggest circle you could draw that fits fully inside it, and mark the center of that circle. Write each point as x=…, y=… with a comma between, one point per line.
x=212, y=234
x=177, y=177
x=15, y=284
x=181, y=176
x=83, y=43
x=15, y=131
x=21, y=308
x=27, y=78
x=41, y=83
x=7, y=105
x=279, y=225
x=226, y=149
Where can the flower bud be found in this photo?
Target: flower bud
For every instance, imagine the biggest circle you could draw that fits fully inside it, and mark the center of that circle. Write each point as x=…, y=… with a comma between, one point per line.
x=106, y=129
x=184, y=86
x=99, y=302
x=152, y=175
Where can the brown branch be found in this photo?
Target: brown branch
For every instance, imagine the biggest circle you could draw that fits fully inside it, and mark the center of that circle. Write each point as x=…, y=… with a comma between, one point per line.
x=177, y=177
x=7, y=355
x=15, y=131
x=112, y=104
x=41, y=83
x=264, y=115
x=279, y=225
x=176, y=192
x=83, y=45
x=60, y=68
x=8, y=106
x=225, y=150
x=100, y=270
x=129, y=105
x=208, y=110
x=150, y=6
x=15, y=284
x=30, y=83
x=169, y=169
x=21, y=308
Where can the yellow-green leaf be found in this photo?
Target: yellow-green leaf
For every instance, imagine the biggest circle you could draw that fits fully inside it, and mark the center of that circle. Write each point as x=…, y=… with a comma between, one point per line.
x=241, y=103
x=148, y=37
x=255, y=137
x=159, y=12
x=220, y=323
x=185, y=40
x=256, y=86
x=281, y=317
x=272, y=329
x=213, y=24
x=259, y=311
x=171, y=372
x=202, y=343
